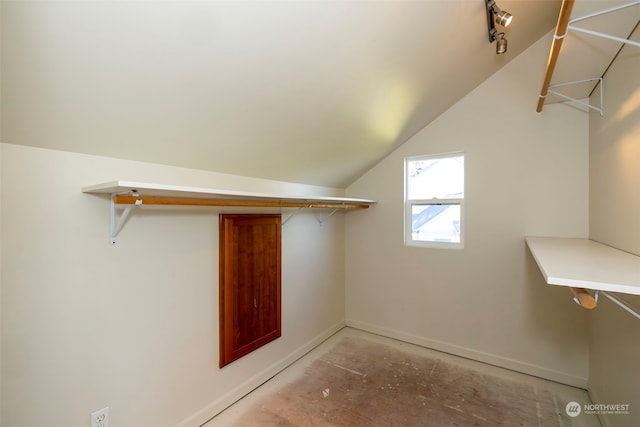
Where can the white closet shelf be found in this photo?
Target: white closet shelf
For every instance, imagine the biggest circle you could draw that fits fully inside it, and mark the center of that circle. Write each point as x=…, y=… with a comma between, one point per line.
x=126, y=195
x=191, y=194
x=584, y=263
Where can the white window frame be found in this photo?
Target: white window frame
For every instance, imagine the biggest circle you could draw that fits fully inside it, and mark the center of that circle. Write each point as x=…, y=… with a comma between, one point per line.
x=410, y=203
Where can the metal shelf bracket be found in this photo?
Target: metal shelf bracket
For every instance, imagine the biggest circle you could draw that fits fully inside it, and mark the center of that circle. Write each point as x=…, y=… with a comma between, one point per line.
x=623, y=304
x=565, y=24
x=325, y=219
x=597, y=33
x=600, y=84
x=118, y=223
x=296, y=212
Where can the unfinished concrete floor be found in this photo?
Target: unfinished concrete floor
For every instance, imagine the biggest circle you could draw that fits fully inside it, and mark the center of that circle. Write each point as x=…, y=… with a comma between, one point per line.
x=360, y=379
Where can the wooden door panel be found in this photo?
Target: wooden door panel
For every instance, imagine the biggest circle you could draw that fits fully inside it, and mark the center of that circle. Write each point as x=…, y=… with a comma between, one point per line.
x=250, y=288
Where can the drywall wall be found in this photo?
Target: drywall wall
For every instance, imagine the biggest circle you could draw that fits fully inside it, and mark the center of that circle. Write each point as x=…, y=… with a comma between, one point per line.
x=135, y=326
x=526, y=174
x=1, y=244
x=614, y=176
x=0, y=236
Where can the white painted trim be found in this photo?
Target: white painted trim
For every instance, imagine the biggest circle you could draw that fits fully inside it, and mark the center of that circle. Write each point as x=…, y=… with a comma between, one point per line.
x=492, y=359
x=241, y=390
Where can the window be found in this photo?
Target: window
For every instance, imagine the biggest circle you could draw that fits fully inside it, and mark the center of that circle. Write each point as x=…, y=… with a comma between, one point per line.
x=434, y=201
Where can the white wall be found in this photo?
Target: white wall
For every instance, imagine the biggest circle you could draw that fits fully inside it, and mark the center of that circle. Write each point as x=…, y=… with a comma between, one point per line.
x=1, y=245
x=526, y=174
x=0, y=241
x=614, y=374
x=135, y=326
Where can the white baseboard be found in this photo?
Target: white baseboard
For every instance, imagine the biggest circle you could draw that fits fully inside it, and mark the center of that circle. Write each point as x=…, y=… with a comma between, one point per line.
x=472, y=354
x=237, y=393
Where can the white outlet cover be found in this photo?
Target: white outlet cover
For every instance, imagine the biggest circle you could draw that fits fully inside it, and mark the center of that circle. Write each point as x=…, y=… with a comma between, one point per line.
x=100, y=418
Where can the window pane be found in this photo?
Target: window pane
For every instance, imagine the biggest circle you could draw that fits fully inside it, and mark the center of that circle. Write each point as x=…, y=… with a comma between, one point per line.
x=441, y=178
x=436, y=223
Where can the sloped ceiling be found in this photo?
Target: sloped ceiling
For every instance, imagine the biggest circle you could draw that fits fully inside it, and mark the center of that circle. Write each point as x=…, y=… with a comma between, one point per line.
x=312, y=92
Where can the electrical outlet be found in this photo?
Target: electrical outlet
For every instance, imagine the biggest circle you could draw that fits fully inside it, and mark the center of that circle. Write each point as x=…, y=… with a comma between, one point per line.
x=100, y=418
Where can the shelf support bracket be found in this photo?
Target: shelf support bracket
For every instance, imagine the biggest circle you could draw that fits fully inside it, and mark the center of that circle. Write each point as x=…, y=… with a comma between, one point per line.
x=625, y=305
x=565, y=24
x=118, y=223
x=597, y=33
x=296, y=212
x=322, y=221
x=600, y=84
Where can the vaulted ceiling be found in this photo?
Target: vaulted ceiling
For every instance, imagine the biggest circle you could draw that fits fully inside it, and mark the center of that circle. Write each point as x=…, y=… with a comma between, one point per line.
x=312, y=92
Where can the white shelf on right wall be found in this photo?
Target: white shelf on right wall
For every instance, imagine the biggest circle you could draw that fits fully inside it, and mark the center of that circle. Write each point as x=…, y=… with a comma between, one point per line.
x=584, y=263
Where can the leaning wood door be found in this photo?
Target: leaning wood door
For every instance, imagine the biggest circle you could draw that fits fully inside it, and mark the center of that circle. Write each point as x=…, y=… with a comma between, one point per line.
x=250, y=287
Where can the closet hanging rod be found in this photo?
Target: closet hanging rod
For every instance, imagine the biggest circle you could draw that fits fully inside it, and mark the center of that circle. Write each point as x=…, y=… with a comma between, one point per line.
x=561, y=28
x=180, y=201
x=583, y=298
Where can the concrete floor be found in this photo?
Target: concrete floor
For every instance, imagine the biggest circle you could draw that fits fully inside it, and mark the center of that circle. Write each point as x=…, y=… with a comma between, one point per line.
x=360, y=379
